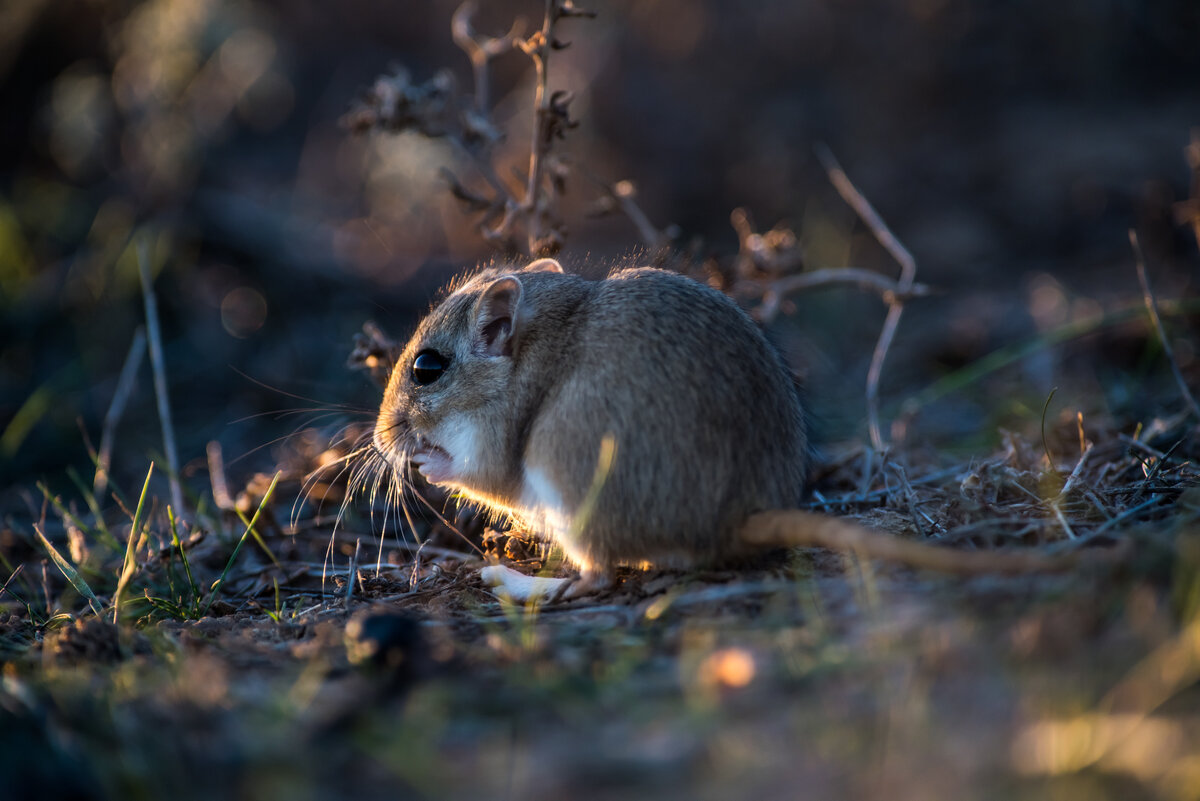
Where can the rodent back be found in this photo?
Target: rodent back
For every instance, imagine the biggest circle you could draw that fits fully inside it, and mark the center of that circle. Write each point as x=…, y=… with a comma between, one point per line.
x=706, y=420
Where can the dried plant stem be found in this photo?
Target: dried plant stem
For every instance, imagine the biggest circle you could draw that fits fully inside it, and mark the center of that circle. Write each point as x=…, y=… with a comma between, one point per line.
x=1074, y=477
x=125, y=384
x=537, y=47
x=216, y=475
x=160, y=375
x=1152, y=308
x=868, y=280
x=623, y=193
x=623, y=196
x=852, y=276
x=352, y=576
x=1062, y=520
x=1187, y=212
x=895, y=301
x=480, y=50
x=653, y=238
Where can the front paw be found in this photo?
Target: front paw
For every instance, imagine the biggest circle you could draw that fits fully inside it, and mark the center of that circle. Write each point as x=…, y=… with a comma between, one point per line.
x=519, y=588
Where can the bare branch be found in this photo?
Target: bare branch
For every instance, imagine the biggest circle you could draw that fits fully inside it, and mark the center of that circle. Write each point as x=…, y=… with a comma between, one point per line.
x=908, y=274
x=622, y=197
x=481, y=49
x=624, y=194
x=537, y=47
x=774, y=291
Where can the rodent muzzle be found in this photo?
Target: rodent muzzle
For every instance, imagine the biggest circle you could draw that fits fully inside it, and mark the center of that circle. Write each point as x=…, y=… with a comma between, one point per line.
x=391, y=430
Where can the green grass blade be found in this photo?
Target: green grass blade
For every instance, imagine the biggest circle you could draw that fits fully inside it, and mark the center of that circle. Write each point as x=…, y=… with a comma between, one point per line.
x=62, y=509
x=69, y=571
x=172, y=578
x=130, y=563
x=277, y=614
x=12, y=575
x=57, y=620
x=164, y=605
x=187, y=567
x=105, y=535
x=258, y=538
x=1045, y=447
x=215, y=590
x=13, y=571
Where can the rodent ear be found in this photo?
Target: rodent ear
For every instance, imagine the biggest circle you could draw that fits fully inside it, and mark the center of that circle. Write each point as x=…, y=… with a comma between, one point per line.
x=496, y=316
x=544, y=266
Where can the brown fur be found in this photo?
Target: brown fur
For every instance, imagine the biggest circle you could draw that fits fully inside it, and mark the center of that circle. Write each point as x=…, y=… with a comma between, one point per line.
x=706, y=420
x=797, y=529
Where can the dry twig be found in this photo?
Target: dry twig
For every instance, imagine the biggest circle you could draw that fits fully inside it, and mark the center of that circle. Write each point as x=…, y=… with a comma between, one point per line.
x=481, y=49
x=895, y=300
x=125, y=384
x=551, y=121
x=1152, y=308
x=160, y=375
x=775, y=291
x=1187, y=212
x=216, y=475
x=622, y=197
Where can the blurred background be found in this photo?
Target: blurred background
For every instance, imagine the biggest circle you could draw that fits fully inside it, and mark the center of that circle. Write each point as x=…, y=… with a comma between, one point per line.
x=1010, y=144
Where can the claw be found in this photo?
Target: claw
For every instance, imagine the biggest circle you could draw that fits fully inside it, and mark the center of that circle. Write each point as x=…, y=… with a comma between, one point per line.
x=589, y=582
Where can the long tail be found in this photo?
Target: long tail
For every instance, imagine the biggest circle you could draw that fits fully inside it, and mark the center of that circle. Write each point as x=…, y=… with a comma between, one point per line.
x=796, y=529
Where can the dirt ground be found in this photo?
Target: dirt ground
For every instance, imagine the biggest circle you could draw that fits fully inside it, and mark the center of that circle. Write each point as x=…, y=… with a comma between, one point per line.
x=814, y=674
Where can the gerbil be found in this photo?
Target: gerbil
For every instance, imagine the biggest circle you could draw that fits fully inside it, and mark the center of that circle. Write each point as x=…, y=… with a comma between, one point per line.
x=514, y=389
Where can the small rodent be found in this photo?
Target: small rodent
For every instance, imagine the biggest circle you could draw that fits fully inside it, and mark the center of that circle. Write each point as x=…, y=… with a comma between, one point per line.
x=642, y=419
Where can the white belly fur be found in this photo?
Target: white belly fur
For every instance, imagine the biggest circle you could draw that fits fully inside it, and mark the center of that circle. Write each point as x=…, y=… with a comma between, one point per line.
x=543, y=510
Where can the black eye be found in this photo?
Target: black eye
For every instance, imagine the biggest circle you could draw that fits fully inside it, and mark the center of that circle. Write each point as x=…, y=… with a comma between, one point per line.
x=429, y=366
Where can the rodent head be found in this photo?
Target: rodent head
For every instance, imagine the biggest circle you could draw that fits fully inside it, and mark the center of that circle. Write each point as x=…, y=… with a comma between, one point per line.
x=449, y=400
